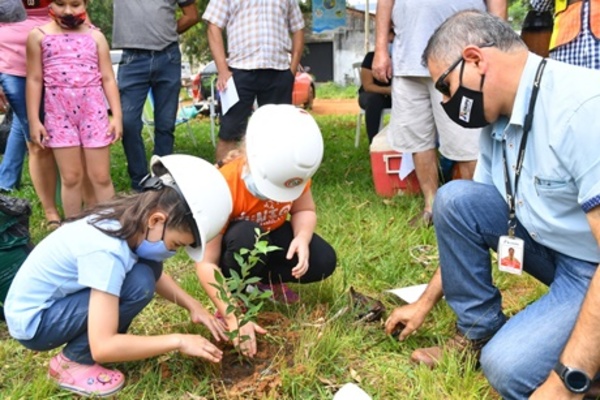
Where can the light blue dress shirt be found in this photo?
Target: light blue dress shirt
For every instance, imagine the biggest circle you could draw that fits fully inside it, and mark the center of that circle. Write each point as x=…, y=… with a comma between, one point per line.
x=560, y=178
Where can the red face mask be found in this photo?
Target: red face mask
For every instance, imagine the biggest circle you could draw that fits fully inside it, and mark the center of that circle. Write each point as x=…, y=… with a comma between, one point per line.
x=70, y=21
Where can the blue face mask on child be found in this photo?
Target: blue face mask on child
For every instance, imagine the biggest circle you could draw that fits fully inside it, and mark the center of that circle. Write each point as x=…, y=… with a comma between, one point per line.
x=251, y=185
x=154, y=251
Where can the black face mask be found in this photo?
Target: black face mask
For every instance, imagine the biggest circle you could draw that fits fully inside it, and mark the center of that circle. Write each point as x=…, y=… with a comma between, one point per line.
x=465, y=107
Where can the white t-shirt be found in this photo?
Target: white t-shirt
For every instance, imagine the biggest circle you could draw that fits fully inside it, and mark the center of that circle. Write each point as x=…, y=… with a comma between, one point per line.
x=76, y=256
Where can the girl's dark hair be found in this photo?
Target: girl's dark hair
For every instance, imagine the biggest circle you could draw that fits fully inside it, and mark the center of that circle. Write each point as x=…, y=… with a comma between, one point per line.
x=133, y=212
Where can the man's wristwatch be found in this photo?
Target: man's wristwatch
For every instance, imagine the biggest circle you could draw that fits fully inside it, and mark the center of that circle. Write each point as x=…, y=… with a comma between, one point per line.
x=575, y=380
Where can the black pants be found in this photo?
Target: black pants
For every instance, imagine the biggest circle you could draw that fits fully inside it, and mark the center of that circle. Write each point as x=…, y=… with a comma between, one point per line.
x=274, y=266
x=373, y=104
x=267, y=86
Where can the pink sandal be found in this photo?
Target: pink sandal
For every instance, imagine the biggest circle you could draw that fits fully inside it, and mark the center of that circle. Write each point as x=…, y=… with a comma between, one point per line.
x=281, y=292
x=85, y=380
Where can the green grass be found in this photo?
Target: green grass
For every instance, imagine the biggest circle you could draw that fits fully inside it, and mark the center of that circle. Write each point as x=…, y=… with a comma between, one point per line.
x=332, y=90
x=376, y=250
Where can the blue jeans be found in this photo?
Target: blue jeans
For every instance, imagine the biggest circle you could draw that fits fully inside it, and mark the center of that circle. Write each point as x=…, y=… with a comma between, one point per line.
x=469, y=218
x=140, y=71
x=66, y=321
x=16, y=146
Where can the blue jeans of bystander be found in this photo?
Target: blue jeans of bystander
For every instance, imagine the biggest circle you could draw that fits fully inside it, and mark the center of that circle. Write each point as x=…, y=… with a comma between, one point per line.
x=140, y=71
x=66, y=321
x=469, y=218
x=16, y=147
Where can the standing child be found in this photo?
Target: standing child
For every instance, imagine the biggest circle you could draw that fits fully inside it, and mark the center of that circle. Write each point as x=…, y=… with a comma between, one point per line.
x=70, y=61
x=270, y=187
x=84, y=284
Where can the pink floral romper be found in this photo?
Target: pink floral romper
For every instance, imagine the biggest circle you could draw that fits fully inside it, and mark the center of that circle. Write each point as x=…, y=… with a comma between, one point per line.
x=75, y=109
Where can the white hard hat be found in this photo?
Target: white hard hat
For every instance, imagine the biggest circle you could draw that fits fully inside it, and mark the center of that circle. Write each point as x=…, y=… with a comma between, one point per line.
x=205, y=192
x=284, y=148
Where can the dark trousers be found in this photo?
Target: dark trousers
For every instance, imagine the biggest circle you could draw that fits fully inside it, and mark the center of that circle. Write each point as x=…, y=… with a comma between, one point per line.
x=140, y=71
x=274, y=266
x=267, y=86
x=373, y=104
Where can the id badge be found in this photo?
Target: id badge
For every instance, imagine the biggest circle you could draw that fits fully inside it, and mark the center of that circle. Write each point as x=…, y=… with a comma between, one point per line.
x=510, y=254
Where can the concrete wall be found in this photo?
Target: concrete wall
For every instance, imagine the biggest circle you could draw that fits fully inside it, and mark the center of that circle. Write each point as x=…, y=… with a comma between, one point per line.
x=348, y=44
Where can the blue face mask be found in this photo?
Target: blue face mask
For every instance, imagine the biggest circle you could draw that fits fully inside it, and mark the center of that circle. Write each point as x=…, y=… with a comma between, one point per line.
x=251, y=186
x=154, y=251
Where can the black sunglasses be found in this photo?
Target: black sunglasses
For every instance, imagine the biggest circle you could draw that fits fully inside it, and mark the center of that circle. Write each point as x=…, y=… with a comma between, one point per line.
x=441, y=85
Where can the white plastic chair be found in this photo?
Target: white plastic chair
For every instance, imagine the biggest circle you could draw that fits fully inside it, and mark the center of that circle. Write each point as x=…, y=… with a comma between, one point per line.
x=386, y=111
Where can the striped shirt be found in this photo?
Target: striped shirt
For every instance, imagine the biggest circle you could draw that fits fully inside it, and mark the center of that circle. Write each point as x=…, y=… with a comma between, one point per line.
x=258, y=31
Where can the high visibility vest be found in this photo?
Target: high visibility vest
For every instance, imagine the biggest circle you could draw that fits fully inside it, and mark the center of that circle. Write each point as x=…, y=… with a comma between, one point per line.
x=567, y=21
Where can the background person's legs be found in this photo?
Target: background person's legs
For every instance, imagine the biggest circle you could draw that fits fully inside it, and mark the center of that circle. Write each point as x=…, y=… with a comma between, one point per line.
x=166, y=84
x=71, y=178
x=274, y=86
x=134, y=84
x=233, y=123
x=42, y=166
x=373, y=104
x=469, y=218
x=11, y=167
x=412, y=130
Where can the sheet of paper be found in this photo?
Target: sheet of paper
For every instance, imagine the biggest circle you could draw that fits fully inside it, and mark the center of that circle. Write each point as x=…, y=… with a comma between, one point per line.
x=409, y=294
x=229, y=96
x=351, y=391
x=406, y=166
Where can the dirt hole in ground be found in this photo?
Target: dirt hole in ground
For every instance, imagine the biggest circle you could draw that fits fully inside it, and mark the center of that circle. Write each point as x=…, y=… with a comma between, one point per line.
x=260, y=377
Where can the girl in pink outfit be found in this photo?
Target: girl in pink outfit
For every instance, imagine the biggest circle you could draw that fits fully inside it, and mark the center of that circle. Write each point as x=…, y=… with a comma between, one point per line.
x=70, y=61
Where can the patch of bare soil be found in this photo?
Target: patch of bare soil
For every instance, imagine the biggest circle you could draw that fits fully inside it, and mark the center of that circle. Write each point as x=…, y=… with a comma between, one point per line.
x=335, y=106
x=257, y=378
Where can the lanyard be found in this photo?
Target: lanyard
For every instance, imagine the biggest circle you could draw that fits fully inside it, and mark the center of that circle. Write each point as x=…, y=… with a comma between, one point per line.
x=510, y=196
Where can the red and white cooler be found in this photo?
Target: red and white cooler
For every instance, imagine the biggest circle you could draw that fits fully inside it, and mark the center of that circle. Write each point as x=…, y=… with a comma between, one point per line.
x=385, y=165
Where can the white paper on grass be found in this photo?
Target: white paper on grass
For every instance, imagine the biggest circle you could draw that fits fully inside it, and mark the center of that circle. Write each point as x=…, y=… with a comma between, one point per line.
x=409, y=294
x=406, y=166
x=350, y=391
x=229, y=96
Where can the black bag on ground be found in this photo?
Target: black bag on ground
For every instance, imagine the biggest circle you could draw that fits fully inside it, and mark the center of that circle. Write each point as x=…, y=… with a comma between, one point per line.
x=15, y=241
x=5, y=129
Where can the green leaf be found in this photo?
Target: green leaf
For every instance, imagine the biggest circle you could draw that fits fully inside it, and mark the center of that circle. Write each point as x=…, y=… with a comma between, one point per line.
x=253, y=280
x=239, y=259
x=234, y=276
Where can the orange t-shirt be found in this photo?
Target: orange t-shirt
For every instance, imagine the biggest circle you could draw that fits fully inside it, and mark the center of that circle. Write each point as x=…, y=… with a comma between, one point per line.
x=507, y=262
x=269, y=214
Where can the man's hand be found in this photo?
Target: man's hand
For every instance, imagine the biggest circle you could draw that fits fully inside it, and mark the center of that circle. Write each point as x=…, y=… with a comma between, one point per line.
x=411, y=316
x=222, y=79
x=382, y=67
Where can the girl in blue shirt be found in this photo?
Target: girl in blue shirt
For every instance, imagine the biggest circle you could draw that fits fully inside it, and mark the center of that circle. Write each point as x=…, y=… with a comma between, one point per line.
x=82, y=286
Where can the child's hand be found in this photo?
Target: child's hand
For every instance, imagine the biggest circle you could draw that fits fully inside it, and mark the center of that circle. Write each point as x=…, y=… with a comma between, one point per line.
x=299, y=246
x=115, y=128
x=197, y=346
x=248, y=346
x=214, y=325
x=38, y=134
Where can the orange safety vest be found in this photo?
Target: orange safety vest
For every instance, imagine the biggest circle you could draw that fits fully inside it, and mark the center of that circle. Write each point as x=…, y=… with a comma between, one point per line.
x=567, y=21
